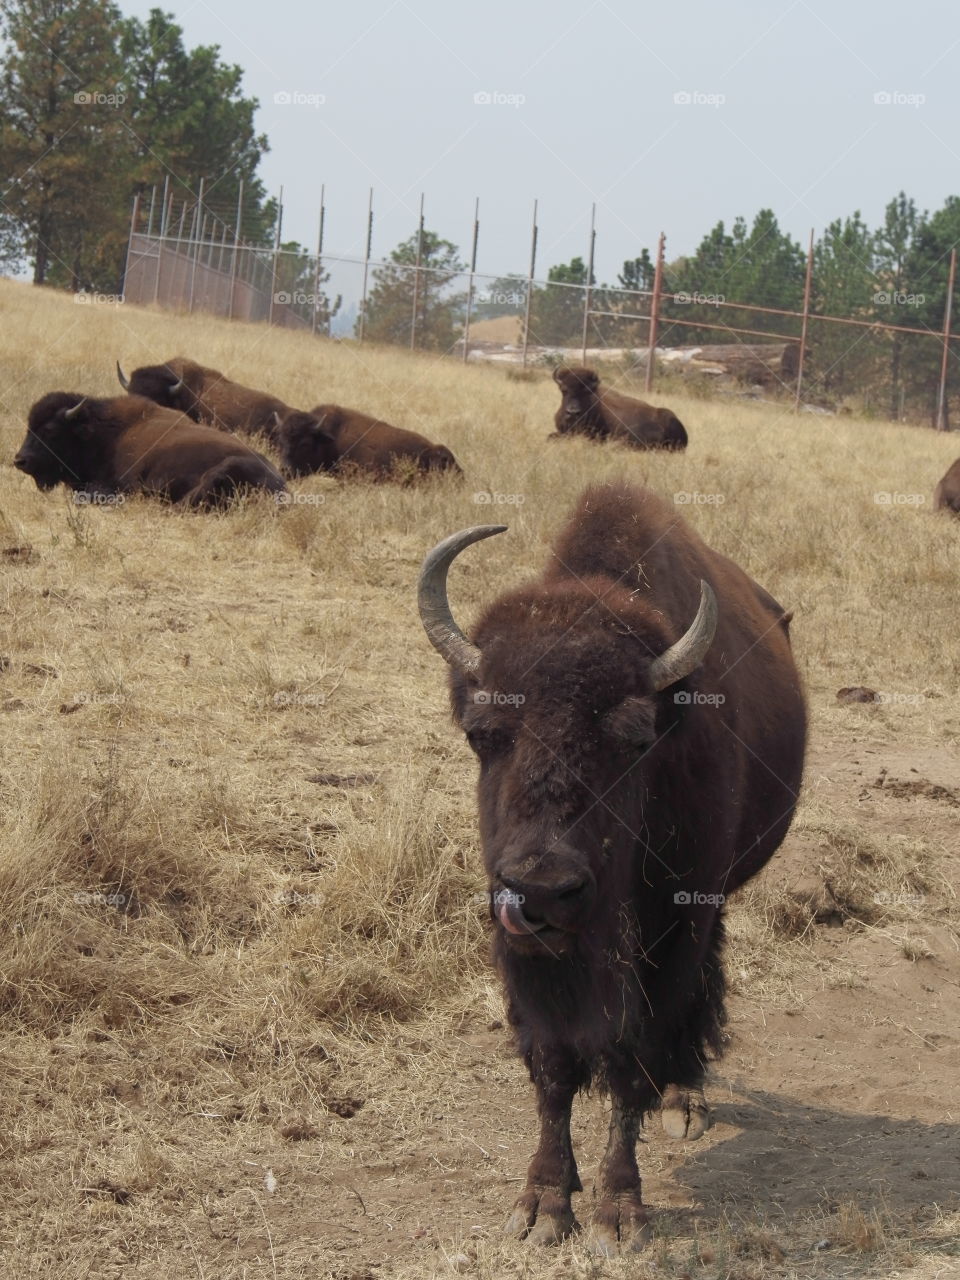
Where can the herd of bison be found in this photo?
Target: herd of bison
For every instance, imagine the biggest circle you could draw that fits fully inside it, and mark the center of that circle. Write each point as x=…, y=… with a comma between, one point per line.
x=179, y=433
x=638, y=719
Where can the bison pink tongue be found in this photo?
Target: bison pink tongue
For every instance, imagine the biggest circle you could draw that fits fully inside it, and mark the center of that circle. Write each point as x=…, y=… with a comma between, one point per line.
x=514, y=921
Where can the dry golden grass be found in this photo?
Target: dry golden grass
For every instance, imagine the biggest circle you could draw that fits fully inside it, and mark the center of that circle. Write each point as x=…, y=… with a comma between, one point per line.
x=205, y=955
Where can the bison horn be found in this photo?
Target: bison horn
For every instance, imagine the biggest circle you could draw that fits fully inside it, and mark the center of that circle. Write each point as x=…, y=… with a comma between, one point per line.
x=124, y=380
x=691, y=649
x=176, y=386
x=442, y=632
x=72, y=413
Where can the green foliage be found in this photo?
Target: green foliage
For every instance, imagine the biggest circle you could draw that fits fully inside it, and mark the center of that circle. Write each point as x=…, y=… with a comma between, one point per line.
x=95, y=107
x=398, y=284
x=556, y=310
x=845, y=284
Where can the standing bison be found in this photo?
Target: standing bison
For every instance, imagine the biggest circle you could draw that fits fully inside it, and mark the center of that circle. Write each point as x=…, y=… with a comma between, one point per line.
x=587, y=410
x=640, y=729
x=208, y=396
x=946, y=496
x=333, y=438
x=130, y=445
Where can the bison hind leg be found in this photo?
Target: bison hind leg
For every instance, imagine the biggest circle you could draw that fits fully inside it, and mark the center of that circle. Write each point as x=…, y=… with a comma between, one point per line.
x=221, y=484
x=684, y=1113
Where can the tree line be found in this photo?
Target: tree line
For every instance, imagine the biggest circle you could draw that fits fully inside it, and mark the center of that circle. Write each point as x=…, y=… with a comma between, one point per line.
x=96, y=107
x=894, y=274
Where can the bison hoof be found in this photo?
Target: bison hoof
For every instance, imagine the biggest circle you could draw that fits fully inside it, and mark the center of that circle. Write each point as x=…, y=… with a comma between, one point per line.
x=685, y=1113
x=620, y=1225
x=541, y=1216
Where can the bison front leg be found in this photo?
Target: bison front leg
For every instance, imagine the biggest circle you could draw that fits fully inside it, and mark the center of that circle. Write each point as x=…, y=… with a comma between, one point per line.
x=543, y=1213
x=684, y=1113
x=620, y=1219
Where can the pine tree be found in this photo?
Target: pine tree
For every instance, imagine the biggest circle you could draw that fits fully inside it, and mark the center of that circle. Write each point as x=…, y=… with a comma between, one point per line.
x=61, y=130
x=389, y=308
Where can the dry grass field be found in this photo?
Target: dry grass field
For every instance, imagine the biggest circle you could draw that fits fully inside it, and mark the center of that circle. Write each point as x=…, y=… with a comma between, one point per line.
x=246, y=1024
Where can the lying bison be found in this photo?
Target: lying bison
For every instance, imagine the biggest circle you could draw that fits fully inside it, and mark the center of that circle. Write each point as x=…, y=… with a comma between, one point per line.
x=206, y=395
x=338, y=439
x=607, y=415
x=640, y=729
x=946, y=496
x=130, y=445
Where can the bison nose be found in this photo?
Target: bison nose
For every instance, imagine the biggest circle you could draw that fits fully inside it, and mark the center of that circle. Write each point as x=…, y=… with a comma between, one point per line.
x=527, y=905
x=20, y=463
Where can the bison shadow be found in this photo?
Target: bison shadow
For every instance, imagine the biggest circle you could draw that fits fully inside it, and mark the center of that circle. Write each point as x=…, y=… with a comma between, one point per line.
x=790, y=1157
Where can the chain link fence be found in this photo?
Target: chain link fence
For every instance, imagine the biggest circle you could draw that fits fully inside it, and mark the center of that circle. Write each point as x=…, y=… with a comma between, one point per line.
x=667, y=328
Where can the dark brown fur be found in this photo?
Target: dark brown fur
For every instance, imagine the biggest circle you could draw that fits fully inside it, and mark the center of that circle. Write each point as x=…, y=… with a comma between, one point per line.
x=210, y=397
x=348, y=439
x=131, y=445
x=946, y=496
x=601, y=414
x=601, y=800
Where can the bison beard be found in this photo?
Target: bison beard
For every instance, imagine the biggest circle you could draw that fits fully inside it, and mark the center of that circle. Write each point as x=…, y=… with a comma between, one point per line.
x=637, y=764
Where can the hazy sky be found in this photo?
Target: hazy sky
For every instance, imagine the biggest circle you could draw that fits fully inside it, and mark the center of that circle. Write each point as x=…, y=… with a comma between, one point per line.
x=782, y=112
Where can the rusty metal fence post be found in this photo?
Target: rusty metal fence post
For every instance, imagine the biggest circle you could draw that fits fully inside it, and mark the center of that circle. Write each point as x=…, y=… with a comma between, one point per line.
x=947, y=317
x=529, y=300
x=366, y=269
x=807, y=290
x=470, y=284
x=416, y=280
x=654, y=314
x=587, y=292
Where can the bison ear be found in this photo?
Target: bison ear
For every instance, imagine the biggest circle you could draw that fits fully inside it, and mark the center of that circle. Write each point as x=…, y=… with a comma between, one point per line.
x=633, y=722
x=558, y=375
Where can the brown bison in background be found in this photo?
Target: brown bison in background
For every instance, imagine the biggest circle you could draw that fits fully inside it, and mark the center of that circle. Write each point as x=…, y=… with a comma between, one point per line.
x=206, y=395
x=946, y=496
x=131, y=445
x=608, y=415
x=640, y=728
x=337, y=439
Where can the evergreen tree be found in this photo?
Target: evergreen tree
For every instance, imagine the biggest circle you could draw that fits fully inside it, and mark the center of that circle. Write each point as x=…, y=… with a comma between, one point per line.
x=556, y=309
x=892, y=247
x=62, y=140
x=845, y=284
x=389, y=308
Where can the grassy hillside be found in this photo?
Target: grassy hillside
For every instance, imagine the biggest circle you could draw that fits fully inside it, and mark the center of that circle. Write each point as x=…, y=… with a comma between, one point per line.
x=243, y=1009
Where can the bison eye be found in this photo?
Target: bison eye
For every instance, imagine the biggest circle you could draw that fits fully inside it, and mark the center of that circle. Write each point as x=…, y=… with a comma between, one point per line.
x=489, y=742
x=632, y=723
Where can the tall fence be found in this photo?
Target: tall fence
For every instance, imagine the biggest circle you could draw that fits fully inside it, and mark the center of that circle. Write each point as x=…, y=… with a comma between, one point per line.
x=188, y=259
